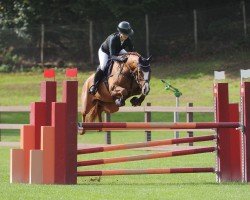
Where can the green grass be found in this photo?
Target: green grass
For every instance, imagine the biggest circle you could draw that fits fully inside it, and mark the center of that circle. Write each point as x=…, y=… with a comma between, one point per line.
x=176, y=186
x=193, y=79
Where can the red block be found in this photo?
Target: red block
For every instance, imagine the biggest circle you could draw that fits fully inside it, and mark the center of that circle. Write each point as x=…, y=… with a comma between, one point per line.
x=71, y=72
x=36, y=167
x=235, y=145
x=48, y=148
x=49, y=73
x=38, y=117
x=48, y=95
x=70, y=98
x=59, y=123
x=245, y=98
x=27, y=143
x=16, y=166
x=222, y=115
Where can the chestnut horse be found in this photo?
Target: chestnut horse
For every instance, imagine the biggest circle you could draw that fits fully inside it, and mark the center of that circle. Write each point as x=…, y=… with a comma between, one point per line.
x=125, y=80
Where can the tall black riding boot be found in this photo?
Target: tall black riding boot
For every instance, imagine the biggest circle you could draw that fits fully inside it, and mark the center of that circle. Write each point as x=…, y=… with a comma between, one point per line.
x=97, y=79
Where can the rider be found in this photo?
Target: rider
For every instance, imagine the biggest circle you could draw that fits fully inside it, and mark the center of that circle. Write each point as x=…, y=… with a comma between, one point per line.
x=111, y=48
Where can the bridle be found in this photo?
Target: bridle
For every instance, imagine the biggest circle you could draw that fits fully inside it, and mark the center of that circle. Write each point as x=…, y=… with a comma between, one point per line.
x=135, y=73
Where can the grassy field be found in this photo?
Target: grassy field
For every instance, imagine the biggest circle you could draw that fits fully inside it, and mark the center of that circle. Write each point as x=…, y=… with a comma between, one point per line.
x=193, y=79
x=176, y=186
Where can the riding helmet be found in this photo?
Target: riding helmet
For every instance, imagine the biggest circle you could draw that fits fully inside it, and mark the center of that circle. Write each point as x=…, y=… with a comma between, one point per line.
x=125, y=28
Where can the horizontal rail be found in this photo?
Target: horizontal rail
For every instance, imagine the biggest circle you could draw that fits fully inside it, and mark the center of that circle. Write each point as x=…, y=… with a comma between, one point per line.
x=14, y=108
x=145, y=144
x=11, y=126
x=179, y=130
x=145, y=171
x=126, y=109
x=166, y=109
x=111, y=126
x=146, y=157
x=19, y=126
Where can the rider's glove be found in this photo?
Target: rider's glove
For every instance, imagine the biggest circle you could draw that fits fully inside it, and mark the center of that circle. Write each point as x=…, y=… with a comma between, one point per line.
x=119, y=59
x=123, y=59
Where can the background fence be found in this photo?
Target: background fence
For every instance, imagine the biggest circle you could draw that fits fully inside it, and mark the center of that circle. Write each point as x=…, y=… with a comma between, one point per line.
x=147, y=110
x=166, y=37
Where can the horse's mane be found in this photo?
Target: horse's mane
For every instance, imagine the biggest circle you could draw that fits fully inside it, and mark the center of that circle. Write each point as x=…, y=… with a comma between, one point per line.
x=132, y=53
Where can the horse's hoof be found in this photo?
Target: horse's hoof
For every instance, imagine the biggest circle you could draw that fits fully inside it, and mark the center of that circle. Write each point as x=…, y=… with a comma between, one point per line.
x=120, y=102
x=82, y=133
x=135, y=101
x=79, y=124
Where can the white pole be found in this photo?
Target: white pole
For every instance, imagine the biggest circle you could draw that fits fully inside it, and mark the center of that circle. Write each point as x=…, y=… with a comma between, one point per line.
x=147, y=34
x=176, y=117
x=195, y=31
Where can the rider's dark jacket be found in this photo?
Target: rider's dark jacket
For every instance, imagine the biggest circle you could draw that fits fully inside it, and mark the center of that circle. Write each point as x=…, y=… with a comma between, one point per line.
x=112, y=45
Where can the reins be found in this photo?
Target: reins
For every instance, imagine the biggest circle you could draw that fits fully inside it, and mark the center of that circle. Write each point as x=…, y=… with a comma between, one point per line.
x=132, y=74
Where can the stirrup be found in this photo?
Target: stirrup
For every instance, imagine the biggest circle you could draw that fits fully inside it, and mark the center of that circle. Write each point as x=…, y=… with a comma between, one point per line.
x=93, y=89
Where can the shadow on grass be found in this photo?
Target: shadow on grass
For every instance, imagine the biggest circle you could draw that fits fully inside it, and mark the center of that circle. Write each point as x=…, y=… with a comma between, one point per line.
x=95, y=183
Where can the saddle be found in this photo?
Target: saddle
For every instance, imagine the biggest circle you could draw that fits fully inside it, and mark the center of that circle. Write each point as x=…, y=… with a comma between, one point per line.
x=107, y=72
x=108, y=69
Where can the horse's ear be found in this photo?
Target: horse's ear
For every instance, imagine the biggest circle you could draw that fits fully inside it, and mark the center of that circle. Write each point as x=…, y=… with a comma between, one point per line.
x=149, y=58
x=140, y=59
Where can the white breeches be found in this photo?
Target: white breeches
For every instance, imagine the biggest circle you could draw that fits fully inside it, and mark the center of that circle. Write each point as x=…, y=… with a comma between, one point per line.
x=103, y=58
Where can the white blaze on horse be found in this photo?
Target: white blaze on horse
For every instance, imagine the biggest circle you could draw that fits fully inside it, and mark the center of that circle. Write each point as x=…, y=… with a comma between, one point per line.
x=124, y=80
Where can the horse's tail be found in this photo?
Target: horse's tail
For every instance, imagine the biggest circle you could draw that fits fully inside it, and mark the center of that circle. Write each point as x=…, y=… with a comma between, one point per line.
x=93, y=113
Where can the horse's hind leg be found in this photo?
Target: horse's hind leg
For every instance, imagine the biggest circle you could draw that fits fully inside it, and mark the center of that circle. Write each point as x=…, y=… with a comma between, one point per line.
x=83, y=120
x=99, y=114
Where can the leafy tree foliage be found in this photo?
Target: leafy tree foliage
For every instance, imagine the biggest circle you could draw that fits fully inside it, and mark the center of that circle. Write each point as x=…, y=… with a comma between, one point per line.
x=20, y=20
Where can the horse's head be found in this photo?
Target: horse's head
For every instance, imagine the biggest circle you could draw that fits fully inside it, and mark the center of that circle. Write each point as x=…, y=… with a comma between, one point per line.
x=141, y=71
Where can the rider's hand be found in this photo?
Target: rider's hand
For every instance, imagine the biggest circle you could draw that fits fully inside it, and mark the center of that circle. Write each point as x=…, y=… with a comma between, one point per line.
x=119, y=58
x=123, y=59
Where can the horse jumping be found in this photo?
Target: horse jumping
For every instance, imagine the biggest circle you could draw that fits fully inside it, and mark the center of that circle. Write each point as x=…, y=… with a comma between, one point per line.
x=124, y=80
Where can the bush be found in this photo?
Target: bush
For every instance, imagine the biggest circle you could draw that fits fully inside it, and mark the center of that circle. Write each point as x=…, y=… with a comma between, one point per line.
x=5, y=68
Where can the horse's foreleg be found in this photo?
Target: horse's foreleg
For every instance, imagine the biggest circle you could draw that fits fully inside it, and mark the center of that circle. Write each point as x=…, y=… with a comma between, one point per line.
x=135, y=101
x=141, y=98
x=119, y=94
